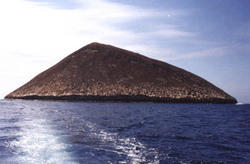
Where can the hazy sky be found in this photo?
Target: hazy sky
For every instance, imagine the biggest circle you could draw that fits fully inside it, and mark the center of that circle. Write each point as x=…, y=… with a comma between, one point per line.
x=210, y=38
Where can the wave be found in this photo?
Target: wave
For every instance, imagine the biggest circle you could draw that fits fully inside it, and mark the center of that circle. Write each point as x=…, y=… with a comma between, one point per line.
x=136, y=151
x=39, y=144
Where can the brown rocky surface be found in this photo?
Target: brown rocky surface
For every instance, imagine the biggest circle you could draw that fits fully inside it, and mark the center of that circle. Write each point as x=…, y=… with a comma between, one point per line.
x=104, y=72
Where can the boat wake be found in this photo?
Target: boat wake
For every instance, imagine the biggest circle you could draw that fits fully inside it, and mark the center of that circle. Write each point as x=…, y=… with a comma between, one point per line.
x=130, y=147
x=38, y=143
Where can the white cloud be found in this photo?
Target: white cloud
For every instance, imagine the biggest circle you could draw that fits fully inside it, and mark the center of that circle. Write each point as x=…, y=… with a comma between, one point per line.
x=217, y=51
x=35, y=36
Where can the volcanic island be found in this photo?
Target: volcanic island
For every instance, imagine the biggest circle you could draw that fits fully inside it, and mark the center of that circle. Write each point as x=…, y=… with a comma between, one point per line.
x=100, y=72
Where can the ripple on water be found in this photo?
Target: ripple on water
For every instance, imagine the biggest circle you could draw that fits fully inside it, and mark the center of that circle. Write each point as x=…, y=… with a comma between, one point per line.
x=77, y=132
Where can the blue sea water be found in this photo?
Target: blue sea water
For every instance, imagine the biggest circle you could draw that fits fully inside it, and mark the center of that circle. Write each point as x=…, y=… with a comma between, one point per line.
x=51, y=132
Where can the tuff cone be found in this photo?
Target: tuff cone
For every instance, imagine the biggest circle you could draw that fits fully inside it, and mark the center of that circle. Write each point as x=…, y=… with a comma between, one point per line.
x=104, y=72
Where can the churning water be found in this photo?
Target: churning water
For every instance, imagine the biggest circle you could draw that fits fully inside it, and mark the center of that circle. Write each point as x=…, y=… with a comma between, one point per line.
x=47, y=132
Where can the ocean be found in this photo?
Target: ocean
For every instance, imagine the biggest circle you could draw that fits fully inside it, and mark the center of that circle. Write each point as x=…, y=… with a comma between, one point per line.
x=63, y=132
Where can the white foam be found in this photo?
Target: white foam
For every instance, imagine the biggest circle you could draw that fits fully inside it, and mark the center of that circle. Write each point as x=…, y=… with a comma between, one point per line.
x=129, y=147
x=239, y=103
x=39, y=144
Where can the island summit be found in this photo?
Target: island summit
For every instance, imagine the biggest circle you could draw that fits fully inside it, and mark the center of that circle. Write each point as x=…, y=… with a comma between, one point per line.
x=100, y=72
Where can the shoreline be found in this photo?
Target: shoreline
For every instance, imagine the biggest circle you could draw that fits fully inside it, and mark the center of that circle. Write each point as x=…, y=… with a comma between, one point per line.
x=126, y=98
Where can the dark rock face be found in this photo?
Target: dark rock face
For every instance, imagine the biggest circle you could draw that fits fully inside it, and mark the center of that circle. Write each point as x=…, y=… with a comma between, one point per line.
x=103, y=72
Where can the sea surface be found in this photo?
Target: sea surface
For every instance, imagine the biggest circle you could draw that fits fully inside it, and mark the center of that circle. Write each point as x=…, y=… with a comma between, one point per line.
x=61, y=132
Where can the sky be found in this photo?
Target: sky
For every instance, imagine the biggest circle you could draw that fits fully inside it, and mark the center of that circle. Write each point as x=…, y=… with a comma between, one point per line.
x=208, y=38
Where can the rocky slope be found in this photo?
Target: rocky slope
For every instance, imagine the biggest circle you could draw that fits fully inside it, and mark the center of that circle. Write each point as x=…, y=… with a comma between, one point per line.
x=104, y=72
